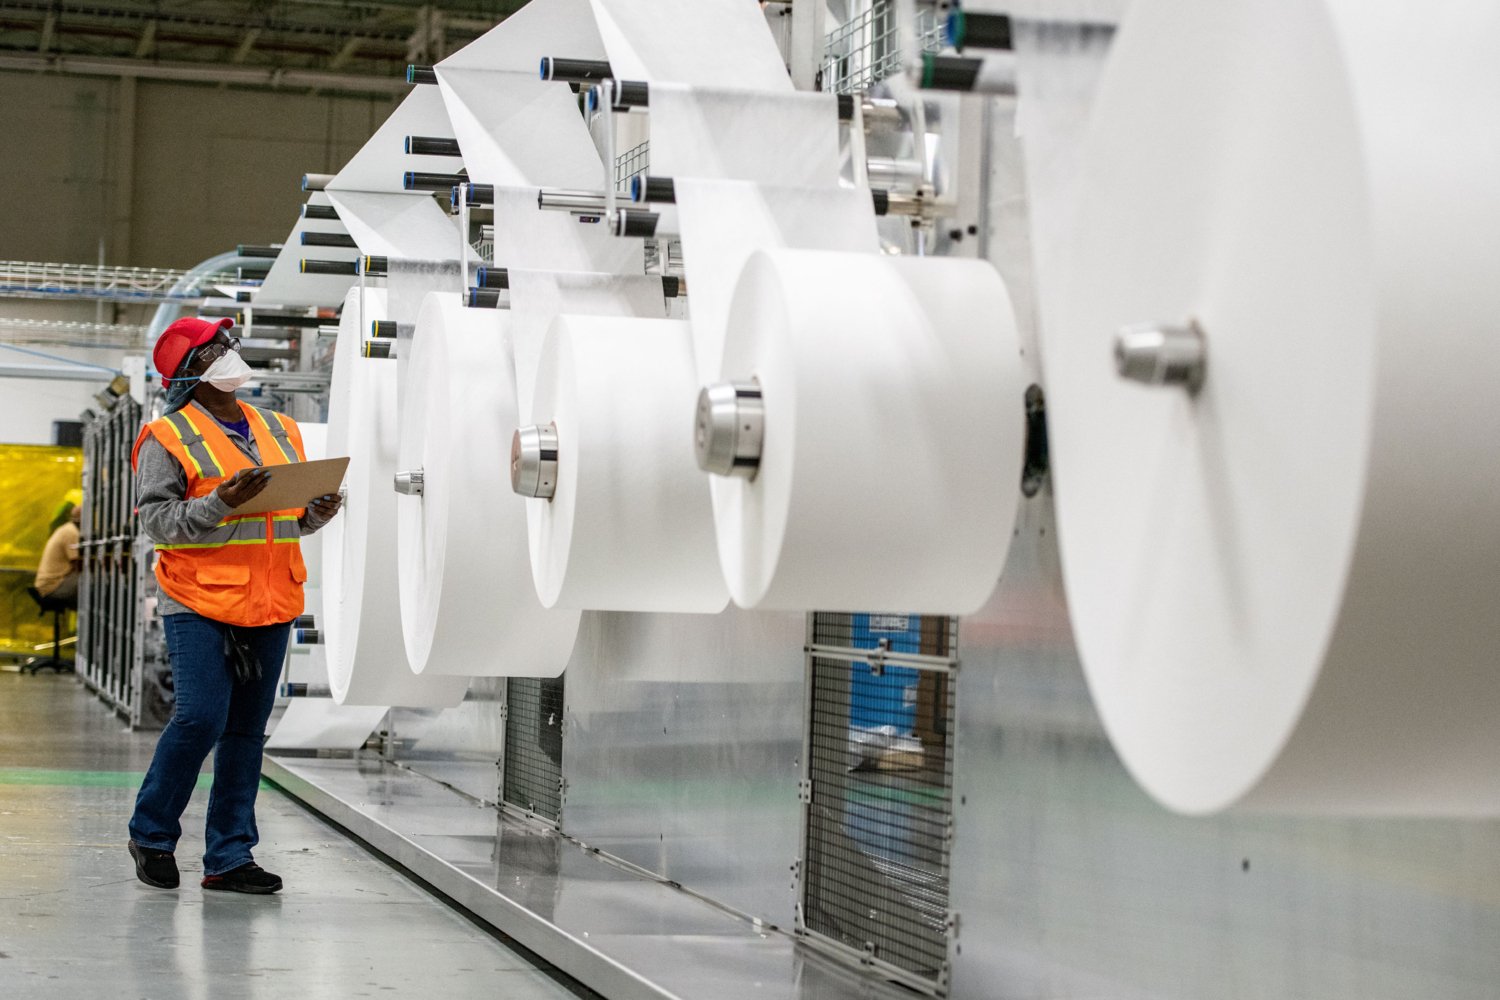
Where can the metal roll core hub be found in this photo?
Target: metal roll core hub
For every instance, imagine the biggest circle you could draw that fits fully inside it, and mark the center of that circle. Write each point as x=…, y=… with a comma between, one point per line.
x=533, y=461
x=409, y=483
x=730, y=429
x=1162, y=354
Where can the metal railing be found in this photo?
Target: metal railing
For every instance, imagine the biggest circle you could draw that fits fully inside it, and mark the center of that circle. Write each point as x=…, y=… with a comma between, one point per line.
x=41, y=280
x=632, y=162
x=867, y=48
x=67, y=333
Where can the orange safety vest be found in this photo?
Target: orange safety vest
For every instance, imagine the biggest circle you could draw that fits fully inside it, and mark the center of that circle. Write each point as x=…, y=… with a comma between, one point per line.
x=249, y=571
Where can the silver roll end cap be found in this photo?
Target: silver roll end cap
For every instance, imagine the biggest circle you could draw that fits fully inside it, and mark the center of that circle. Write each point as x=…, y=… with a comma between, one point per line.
x=1162, y=354
x=533, y=461
x=409, y=483
x=729, y=430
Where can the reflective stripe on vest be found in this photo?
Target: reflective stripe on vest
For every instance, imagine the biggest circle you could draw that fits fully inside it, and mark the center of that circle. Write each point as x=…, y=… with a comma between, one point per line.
x=277, y=430
x=192, y=439
x=285, y=528
x=241, y=571
x=247, y=530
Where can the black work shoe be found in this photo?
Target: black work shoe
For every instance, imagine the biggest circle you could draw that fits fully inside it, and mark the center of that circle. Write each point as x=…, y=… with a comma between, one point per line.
x=249, y=877
x=153, y=867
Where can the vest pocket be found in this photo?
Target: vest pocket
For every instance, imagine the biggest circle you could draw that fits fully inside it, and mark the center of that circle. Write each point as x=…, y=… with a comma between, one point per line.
x=223, y=576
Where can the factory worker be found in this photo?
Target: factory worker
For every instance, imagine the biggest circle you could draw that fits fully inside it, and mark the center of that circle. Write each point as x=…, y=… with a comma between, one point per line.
x=57, y=573
x=230, y=588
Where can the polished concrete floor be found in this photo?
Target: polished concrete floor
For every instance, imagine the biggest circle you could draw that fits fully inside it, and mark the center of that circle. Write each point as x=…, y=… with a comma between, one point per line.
x=75, y=922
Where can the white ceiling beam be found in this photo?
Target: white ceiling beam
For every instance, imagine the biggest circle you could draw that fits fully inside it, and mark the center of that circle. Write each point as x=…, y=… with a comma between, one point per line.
x=246, y=44
x=67, y=373
x=248, y=76
x=147, y=43
x=345, y=53
x=49, y=32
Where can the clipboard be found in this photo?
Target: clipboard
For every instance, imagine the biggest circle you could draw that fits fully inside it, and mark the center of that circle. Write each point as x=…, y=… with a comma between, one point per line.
x=295, y=485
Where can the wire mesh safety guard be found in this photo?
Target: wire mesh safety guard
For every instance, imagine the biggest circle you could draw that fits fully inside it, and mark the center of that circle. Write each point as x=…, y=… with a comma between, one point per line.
x=879, y=797
x=533, y=745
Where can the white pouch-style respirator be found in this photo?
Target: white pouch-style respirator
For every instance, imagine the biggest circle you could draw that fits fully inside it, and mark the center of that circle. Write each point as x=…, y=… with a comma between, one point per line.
x=228, y=372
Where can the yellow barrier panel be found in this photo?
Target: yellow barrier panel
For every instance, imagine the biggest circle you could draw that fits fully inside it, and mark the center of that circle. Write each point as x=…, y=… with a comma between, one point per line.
x=36, y=483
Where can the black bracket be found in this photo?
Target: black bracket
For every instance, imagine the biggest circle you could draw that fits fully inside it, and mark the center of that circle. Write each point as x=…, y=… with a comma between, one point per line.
x=1038, y=462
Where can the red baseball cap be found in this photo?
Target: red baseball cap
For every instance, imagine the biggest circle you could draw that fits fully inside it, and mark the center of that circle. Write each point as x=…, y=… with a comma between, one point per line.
x=179, y=338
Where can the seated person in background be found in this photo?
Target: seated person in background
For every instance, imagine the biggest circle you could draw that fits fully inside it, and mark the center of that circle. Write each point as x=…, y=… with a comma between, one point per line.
x=57, y=575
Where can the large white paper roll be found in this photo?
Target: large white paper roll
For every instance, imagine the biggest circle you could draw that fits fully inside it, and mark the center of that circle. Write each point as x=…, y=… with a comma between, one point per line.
x=362, y=617
x=1284, y=586
x=467, y=601
x=894, y=428
x=309, y=664
x=320, y=724
x=538, y=297
x=725, y=221
x=754, y=163
x=630, y=526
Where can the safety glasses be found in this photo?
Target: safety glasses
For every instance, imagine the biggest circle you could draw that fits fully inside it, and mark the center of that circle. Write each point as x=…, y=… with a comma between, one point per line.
x=216, y=349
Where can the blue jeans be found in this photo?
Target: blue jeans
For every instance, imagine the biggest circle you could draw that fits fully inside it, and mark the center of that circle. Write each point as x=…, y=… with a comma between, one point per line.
x=213, y=712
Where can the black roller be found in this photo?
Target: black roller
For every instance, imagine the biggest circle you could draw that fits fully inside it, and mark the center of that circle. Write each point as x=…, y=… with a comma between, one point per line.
x=993, y=74
x=484, y=298
x=882, y=200
x=319, y=212
x=846, y=107
x=328, y=240
x=305, y=621
x=421, y=74
x=328, y=266
x=416, y=180
x=633, y=222
x=481, y=194
x=949, y=72
x=431, y=145
x=377, y=349
x=242, y=296
x=492, y=277
x=375, y=266
x=979, y=31
x=659, y=190
x=671, y=286
x=271, y=251
x=575, y=70
x=632, y=94
x=628, y=94
x=288, y=320
x=385, y=328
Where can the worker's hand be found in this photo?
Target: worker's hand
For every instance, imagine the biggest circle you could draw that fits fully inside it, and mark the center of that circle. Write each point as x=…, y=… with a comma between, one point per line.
x=325, y=506
x=243, y=486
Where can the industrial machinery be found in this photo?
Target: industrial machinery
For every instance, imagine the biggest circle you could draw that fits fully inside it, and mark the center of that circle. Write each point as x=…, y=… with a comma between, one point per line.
x=715, y=399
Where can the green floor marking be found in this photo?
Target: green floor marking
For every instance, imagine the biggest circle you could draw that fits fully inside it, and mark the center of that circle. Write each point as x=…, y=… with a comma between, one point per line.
x=85, y=779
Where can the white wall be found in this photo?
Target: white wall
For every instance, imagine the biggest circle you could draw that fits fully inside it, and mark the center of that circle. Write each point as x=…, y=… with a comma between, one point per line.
x=162, y=174
x=29, y=406
x=147, y=174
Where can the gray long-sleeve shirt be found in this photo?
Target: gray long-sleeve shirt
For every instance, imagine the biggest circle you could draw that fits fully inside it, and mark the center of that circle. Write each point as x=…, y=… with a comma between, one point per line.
x=169, y=517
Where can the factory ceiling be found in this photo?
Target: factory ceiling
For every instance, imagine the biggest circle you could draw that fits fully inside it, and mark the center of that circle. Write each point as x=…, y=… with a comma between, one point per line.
x=301, y=44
